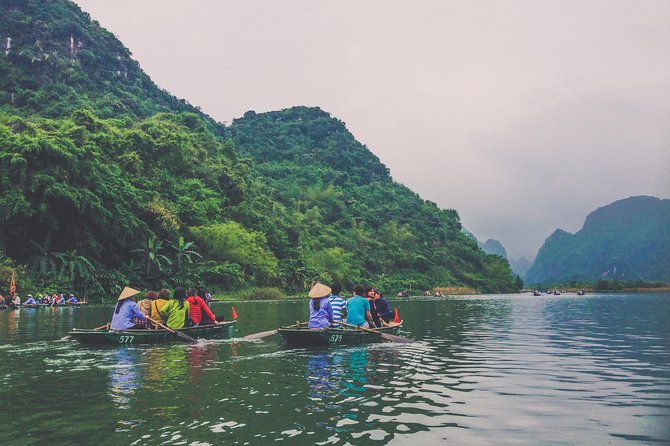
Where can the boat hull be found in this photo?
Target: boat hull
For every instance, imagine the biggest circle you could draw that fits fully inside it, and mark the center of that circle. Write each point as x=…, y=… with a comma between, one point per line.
x=334, y=336
x=226, y=330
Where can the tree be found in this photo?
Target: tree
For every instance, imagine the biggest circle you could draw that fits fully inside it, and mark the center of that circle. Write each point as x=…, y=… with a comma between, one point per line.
x=77, y=267
x=183, y=253
x=153, y=259
x=231, y=242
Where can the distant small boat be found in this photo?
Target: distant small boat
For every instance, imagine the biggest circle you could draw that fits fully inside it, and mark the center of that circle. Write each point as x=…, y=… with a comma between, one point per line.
x=557, y=293
x=537, y=293
x=580, y=293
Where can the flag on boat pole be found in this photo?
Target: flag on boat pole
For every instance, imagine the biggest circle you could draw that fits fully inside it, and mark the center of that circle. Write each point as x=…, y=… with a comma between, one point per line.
x=234, y=312
x=12, y=285
x=396, y=319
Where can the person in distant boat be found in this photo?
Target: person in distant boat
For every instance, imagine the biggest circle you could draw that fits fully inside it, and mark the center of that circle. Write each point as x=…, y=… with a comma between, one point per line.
x=320, y=310
x=337, y=303
x=71, y=299
x=16, y=300
x=58, y=299
x=383, y=313
x=199, y=310
x=358, y=308
x=156, y=305
x=30, y=300
x=127, y=311
x=175, y=311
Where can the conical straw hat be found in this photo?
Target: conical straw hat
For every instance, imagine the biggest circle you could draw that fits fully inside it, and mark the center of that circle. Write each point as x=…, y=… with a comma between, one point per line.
x=127, y=292
x=319, y=290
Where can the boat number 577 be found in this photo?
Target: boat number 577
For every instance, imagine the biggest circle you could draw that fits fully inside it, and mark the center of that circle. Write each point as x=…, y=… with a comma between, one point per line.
x=126, y=339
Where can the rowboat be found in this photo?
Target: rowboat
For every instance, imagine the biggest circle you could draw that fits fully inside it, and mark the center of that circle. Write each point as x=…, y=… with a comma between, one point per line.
x=305, y=336
x=225, y=330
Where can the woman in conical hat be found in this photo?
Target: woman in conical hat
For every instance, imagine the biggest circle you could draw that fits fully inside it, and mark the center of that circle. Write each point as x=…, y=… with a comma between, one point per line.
x=127, y=311
x=320, y=310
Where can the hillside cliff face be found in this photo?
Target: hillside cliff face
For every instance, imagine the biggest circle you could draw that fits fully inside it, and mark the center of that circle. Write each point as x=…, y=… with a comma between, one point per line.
x=54, y=59
x=627, y=240
x=105, y=179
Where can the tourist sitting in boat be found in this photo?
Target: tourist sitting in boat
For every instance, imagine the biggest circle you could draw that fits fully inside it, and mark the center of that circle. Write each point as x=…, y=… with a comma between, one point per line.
x=16, y=300
x=145, y=304
x=57, y=299
x=320, y=311
x=175, y=311
x=358, y=308
x=127, y=311
x=30, y=300
x=370, y=296
x=199, y=311
x=71, y=299
x=158, y=303
x=382, y=310
x=337, y=303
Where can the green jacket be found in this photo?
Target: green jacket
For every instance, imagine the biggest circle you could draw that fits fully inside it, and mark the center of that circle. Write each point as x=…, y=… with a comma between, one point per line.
x=174, y=316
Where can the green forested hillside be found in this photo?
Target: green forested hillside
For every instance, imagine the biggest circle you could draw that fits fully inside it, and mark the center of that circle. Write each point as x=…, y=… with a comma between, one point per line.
x=345, y=207
x=627, y=240
x=106, y=180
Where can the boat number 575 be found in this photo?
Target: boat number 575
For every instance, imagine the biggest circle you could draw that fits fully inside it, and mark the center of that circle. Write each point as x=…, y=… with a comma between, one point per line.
x=126, y=339
x=334, y=339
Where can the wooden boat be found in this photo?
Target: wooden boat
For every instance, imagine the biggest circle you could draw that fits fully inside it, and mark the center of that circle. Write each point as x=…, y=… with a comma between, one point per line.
x=225, y=330
x=305, y=336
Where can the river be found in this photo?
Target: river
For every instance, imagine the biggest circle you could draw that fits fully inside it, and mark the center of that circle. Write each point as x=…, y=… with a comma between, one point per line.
x=495, y=369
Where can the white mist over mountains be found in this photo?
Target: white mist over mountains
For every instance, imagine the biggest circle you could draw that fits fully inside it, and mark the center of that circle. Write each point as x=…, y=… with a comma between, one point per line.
x=524, y=116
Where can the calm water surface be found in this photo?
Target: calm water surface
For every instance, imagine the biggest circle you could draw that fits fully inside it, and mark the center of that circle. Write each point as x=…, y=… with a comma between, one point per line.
x=506, y=369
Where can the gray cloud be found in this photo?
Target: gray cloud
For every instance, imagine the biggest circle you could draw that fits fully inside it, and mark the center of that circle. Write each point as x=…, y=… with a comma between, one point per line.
x=523, y=115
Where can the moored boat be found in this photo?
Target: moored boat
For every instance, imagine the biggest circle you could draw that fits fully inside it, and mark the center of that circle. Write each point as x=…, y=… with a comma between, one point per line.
x=225, y=330
x=346, y=336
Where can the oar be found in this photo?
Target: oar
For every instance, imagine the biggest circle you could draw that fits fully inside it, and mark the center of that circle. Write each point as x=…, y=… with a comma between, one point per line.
x=179, y=334
x=265, y=334
x=388, y=337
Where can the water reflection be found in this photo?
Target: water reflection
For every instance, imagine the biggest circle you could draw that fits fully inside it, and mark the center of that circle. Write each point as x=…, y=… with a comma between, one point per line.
x=124, y=377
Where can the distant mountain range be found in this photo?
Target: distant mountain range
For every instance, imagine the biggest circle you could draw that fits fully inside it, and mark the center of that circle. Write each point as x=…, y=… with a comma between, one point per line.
x=492, y=246
x=626, y=240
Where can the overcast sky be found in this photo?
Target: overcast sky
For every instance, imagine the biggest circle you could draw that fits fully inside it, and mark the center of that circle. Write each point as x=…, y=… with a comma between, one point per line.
x=524, y=116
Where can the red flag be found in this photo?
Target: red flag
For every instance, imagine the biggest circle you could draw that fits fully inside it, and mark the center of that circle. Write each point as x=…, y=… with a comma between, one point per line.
x=234, y=312
x=12, y=285
x=396, y=319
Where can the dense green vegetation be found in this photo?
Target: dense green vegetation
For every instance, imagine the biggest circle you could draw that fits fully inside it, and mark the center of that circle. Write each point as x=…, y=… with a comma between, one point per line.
x=107, y=180
x=627, y=240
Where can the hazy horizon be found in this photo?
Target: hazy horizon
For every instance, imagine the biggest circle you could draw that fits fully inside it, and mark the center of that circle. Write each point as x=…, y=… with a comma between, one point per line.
x=524, y=116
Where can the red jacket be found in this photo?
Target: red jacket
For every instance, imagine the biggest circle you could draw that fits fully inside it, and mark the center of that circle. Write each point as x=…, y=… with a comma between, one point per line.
x=198, y=305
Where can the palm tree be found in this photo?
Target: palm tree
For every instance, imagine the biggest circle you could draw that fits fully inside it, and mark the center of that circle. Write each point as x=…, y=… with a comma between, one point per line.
x=75, y=266
x=44, y=261
x=153, y=256
x=183, y=253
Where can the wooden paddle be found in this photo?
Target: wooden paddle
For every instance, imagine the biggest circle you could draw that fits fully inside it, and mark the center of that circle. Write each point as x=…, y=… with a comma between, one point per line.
x=179, y=334
x=265, y=334
x=388, y=337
